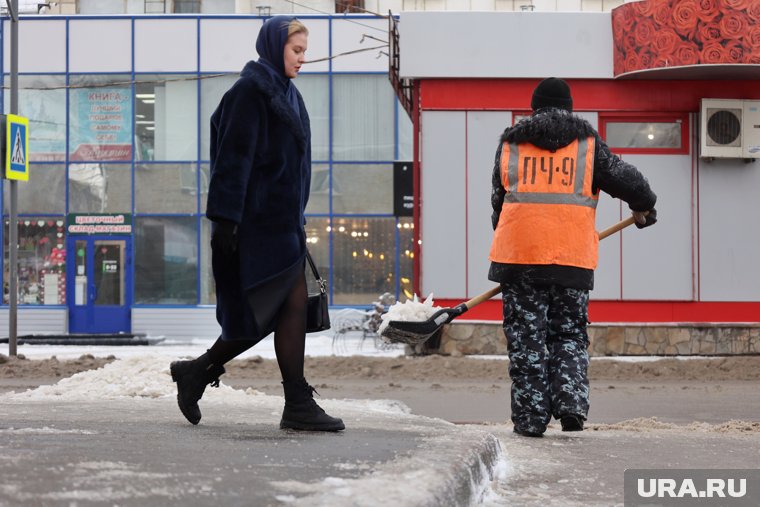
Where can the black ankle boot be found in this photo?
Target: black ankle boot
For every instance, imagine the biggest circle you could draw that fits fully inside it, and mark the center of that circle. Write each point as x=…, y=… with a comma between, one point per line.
x=192, y=377
x=302, y=412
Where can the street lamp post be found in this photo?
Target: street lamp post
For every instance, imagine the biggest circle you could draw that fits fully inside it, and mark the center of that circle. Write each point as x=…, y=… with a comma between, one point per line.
x=13, y=191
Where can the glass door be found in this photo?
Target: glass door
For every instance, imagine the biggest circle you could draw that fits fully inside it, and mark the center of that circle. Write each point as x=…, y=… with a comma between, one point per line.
x=100, y=267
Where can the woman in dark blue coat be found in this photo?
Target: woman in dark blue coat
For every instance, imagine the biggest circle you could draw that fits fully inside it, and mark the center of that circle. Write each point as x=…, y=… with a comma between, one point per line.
x=260, y=177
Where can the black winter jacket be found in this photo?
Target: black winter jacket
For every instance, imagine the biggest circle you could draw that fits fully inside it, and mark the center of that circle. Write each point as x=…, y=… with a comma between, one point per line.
x=551, y=129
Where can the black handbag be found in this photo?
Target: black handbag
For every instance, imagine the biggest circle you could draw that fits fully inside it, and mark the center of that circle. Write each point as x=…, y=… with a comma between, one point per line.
x=317, y=315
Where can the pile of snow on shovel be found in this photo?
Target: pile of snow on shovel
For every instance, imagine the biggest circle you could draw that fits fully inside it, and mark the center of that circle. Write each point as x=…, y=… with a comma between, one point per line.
x=410, y=310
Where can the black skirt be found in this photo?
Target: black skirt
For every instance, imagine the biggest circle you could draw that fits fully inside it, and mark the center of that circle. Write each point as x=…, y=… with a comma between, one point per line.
x=266, y=300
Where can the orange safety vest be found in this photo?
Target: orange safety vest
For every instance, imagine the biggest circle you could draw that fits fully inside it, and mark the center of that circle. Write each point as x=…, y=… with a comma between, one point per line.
x=549, y=210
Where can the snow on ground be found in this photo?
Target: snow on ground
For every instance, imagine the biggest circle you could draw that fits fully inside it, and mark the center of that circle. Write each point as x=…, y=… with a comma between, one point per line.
x=316, y=345
x=348, y=344
x=147, y=377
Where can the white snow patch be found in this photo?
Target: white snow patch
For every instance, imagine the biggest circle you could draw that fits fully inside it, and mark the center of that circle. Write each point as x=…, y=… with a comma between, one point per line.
x=499, y=475
x=410, y=310
x=317, y=345
x=147, y=377
x=45, y=430
x=421, y=472
x=645, y=359
x=134, y=377
x=378, y=406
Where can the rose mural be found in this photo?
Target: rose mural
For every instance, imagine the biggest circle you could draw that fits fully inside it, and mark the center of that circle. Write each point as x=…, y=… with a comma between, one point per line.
x=655, y=34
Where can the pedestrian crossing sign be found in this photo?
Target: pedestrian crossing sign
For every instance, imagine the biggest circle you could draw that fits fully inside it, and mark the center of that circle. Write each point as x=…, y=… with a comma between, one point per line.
x=17, y=148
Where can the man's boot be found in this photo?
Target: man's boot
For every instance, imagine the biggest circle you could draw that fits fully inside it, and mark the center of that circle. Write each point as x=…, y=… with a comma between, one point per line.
x=192, y=377
x=302, y=412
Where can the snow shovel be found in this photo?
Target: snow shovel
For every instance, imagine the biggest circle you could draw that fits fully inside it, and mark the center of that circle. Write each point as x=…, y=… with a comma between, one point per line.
x=416, y=332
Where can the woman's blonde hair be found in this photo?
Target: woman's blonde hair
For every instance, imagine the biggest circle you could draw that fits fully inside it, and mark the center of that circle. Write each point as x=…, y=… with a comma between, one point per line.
x=296, y=26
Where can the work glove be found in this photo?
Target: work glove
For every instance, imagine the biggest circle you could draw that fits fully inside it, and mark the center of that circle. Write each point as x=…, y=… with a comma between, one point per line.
x=645, y=218
x=224, y=237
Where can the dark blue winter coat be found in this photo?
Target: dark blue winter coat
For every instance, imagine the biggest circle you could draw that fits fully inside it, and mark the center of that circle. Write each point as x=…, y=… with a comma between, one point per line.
x=260, y=177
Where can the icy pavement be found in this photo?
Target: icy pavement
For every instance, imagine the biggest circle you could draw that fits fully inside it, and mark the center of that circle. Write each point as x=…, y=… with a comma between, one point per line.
x=114, y=436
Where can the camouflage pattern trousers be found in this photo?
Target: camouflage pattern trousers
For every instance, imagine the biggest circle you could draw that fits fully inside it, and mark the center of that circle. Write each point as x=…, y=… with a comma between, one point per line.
x=547, y=342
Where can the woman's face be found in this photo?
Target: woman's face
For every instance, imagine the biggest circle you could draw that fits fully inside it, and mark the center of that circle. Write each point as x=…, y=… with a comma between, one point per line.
x=295, y=53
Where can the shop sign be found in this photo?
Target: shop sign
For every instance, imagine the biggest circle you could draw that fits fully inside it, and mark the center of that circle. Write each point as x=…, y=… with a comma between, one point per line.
x=110, y=266
x=101, y=124
x=99, y=223
x=403, y=189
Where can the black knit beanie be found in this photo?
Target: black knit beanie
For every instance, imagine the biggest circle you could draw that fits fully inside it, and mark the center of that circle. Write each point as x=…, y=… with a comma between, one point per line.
x=552, y=92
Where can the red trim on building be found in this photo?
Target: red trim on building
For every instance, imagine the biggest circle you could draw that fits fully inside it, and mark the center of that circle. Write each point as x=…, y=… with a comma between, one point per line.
x=636, y=311
x=588, y=94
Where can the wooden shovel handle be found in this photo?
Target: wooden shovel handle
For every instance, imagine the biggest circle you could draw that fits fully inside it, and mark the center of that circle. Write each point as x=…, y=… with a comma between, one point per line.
x=617, y=227
x=483, y=297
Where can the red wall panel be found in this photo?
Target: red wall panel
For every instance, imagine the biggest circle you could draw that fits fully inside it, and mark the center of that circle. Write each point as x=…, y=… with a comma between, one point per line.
x=588, y=94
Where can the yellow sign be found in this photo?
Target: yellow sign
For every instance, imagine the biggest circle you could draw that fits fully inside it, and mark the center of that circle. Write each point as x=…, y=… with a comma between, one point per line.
x=17, y=148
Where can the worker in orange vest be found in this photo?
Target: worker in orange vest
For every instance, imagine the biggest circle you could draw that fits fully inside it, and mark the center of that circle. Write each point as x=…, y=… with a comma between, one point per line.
x=548, y=172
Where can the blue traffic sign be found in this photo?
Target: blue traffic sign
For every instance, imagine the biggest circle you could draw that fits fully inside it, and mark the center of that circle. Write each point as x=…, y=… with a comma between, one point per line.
x=17, y=148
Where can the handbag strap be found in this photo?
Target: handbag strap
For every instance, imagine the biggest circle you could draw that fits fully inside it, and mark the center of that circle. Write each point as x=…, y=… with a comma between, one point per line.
x=322, y=283
x=313, y=266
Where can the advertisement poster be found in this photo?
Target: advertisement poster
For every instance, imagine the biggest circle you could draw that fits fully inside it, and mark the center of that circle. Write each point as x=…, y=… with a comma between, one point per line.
x=101, y=124
x=677, y=33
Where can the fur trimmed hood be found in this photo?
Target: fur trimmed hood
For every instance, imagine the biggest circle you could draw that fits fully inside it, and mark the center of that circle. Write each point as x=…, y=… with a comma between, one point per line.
x=254, y=73
x=549, y=128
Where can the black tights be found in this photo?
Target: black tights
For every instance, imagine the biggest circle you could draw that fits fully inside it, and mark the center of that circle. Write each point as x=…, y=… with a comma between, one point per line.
x=289, y=336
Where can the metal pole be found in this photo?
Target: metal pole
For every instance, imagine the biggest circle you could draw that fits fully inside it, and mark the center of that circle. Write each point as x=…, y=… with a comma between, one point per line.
x=13, y=226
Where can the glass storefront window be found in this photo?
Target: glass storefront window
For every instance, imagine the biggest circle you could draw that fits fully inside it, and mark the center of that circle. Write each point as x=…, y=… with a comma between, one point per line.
x=362, y=189
x=166, y=117
x=208, y=286
x=166, y=188
x=205, y=180
x=363, y=259
x=315, y=89
x=363, y=117
x=42, y=99
x=100, y=118
x=405, y=135
x=100, y=188
x=405, y=228
x=166, y=260
x=318, y=242
x=41, y=261
x=213, y=88
x=45, y=192
x=319, y=194
x=134, y=148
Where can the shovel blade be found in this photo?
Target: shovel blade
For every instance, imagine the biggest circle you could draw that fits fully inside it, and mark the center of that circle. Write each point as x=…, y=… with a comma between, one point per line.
x=416, y=332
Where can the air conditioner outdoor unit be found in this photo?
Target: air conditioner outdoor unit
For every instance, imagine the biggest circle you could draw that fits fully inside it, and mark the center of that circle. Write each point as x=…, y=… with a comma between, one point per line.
x=730, y=128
